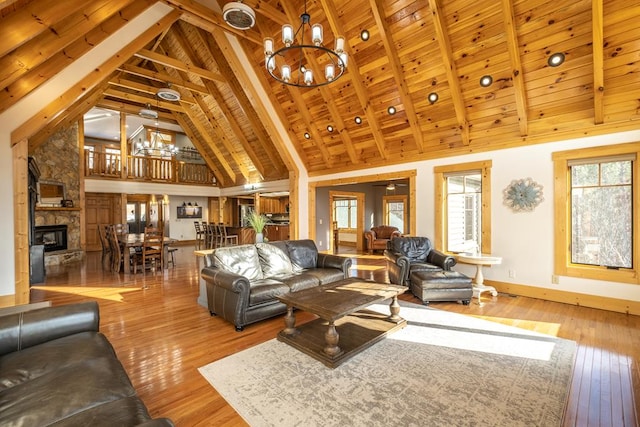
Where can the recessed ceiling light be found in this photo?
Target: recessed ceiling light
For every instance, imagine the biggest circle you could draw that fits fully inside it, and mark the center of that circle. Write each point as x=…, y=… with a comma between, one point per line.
x=306, y=135
x=358, y=120
x=364, y=35
x=432, y=97
x=391, y=110
x=485, y=81
x=330, y=128
x=556, y=59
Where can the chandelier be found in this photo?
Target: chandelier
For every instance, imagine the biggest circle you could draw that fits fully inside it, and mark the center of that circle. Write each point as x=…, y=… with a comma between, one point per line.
x=293, y=70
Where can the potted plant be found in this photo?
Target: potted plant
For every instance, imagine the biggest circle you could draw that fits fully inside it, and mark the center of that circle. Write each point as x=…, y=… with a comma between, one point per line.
x=257, y=222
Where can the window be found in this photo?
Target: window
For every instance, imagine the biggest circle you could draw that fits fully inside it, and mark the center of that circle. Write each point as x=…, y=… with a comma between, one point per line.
x=345, y=212
x=596, y=196
x=395, y=211
x=463, y=214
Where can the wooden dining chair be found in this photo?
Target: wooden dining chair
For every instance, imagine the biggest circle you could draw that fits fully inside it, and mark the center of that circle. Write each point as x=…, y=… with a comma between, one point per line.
x=104, y=243
x=226, y=239
x=116, y=258
x=152, y=256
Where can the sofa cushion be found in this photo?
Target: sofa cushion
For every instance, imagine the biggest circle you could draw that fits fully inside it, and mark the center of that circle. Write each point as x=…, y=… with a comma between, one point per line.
x=299, y=281
x=266, y=290
x=326, y=275
x=273, y=260
x=242, y=260
x=303, y=254
x=414, y=248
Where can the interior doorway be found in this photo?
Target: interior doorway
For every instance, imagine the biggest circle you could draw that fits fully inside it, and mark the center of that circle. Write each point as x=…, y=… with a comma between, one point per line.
x=346, y=214
x=136, y=216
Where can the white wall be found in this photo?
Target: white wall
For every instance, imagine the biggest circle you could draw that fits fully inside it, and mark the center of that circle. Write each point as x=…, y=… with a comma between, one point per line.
x=524, y=240
x=183, y=228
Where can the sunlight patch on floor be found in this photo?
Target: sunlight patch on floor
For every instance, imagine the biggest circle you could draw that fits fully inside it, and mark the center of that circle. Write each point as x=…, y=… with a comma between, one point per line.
x=547, y=328
x=108, y=293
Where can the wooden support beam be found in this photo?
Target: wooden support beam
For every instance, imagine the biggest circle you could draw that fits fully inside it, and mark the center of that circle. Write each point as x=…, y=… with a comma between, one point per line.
x=166, y=61
x=520, y=91
x=144, y=88
x=154, y=102
x=353, y=72
x=597, y=23
x=450, y=69
x=396, y=68
x=36, y=76
x=162, y=77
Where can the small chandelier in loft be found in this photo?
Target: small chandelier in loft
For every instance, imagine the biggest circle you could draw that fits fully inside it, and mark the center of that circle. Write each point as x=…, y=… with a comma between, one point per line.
x=292, y=70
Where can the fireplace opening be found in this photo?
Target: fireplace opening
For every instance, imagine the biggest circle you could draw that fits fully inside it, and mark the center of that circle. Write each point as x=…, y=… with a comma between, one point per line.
x=53, y=237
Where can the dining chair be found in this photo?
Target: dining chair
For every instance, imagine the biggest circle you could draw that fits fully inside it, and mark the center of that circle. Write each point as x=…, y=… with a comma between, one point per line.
x=104, y=243
x=152, y=255
x=116, y=258
x=226, y=239
x=200, y=234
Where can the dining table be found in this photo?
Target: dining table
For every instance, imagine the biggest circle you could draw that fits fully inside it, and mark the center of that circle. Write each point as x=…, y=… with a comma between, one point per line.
x=136, y=240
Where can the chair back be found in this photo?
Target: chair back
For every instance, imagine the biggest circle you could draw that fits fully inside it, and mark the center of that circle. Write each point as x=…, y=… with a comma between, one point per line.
x=102, y=233
x=153, y=247
x=114, y=246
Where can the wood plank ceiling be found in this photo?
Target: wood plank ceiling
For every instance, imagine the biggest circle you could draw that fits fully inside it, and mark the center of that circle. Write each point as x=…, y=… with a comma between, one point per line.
x=414, y=48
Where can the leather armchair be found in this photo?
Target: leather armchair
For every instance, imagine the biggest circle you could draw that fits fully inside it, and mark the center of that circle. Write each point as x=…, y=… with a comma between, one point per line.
x=405, y=255
x=378, y=236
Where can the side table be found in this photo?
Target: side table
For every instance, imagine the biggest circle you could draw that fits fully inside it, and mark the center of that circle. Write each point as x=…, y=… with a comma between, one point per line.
x=480, y=260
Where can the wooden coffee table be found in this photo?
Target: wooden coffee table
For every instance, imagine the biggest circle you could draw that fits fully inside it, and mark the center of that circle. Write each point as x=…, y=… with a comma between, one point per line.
x=341, y=306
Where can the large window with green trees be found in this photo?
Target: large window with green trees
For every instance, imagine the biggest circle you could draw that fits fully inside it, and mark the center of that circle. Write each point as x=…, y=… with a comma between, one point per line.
x=596, y=199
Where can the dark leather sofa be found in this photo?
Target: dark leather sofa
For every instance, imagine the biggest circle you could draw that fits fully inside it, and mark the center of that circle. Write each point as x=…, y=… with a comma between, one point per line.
x=404, y=255
x=57, y=369
x=243, y=282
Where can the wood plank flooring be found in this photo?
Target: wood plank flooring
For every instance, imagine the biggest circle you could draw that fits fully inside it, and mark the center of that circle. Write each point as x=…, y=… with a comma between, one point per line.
x=162, y=336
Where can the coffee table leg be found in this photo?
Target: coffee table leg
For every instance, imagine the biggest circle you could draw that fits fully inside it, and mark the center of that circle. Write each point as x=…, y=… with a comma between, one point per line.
x=289, y=322
x=395, y=311
x=331, y=337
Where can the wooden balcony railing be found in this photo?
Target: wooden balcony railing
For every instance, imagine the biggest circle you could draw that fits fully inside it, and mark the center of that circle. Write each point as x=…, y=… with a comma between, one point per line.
x=141, y=168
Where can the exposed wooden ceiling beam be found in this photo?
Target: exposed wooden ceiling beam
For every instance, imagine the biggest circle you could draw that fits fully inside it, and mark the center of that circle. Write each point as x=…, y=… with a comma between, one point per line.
x=396, y=68
x=353, y=72
x=116, y=93
x=163, y=77
x=32, y=19
x=597, y=22
x=51, y=111
x=451, y=71
x=141, y=87
x=133, y=109
x=34, y=77
x=265, y=9
x=204, y=151
x=217, y=96
x=205, y=135
x=520, y=91
x=244, y=102
x=178, y=65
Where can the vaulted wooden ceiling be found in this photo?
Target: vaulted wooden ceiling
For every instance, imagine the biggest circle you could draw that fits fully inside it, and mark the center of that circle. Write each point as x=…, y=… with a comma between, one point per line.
x=415, y=48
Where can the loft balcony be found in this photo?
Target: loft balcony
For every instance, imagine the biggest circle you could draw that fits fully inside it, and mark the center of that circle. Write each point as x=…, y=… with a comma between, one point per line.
x=145, y=168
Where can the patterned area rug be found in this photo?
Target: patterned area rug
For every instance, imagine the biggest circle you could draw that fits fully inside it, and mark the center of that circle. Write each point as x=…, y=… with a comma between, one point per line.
x=443, y=369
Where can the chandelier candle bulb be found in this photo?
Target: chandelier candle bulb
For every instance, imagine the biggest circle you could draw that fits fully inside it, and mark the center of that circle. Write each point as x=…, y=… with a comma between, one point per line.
x=316, y=34
x=268, y=46
x=286, y=72
x=339, y=44
x=329, y=72
x=308, y=77
x=343, y=59
x=287, y=35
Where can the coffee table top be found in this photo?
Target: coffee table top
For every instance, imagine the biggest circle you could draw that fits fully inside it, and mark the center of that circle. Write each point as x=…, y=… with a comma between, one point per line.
x=339, y=299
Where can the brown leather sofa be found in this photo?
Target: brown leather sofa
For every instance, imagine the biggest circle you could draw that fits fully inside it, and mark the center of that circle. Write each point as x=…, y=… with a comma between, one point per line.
x=243, y=282
x=57, y=369
x=377, y=238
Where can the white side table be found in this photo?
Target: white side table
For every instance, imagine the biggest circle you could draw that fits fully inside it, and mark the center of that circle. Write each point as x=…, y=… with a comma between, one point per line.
x=480, y=260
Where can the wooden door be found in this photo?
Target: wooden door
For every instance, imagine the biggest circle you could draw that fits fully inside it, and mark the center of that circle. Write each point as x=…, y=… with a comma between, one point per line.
x=99, y=209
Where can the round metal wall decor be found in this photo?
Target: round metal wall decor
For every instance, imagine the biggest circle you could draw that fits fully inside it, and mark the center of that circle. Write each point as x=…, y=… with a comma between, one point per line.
x=523, y=195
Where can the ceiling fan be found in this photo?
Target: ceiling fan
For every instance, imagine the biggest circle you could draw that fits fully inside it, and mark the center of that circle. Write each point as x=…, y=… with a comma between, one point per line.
x=391, y=185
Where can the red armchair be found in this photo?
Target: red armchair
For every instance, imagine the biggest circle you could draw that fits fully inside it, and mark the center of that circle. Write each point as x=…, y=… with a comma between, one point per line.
x=378, y=236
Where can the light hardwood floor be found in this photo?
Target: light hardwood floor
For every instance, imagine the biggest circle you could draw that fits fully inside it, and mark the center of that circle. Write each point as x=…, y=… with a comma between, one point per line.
x=162, y=336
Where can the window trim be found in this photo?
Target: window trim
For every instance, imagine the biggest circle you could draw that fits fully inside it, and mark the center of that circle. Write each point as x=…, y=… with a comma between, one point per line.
x=395, y=198
x=562, y=214
x=440, y=174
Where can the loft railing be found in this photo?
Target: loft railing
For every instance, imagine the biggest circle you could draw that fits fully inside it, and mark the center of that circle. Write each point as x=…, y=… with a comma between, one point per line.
x=141, y=168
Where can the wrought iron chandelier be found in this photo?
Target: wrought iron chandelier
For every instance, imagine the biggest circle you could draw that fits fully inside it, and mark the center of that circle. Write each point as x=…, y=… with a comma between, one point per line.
x=293, y=69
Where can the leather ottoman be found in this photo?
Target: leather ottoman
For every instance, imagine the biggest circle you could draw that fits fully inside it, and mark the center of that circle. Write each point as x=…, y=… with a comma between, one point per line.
x=441, y=286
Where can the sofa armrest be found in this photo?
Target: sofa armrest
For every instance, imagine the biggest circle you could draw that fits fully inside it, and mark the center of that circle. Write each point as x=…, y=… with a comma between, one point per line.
x=441, y=259
x=397, y=266
x=30, y=328
x=334, y=261
x=230, y=281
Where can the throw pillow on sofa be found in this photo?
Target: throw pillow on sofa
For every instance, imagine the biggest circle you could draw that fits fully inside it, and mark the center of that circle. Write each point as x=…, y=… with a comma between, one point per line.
x=274, y=261
x=242, y=260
